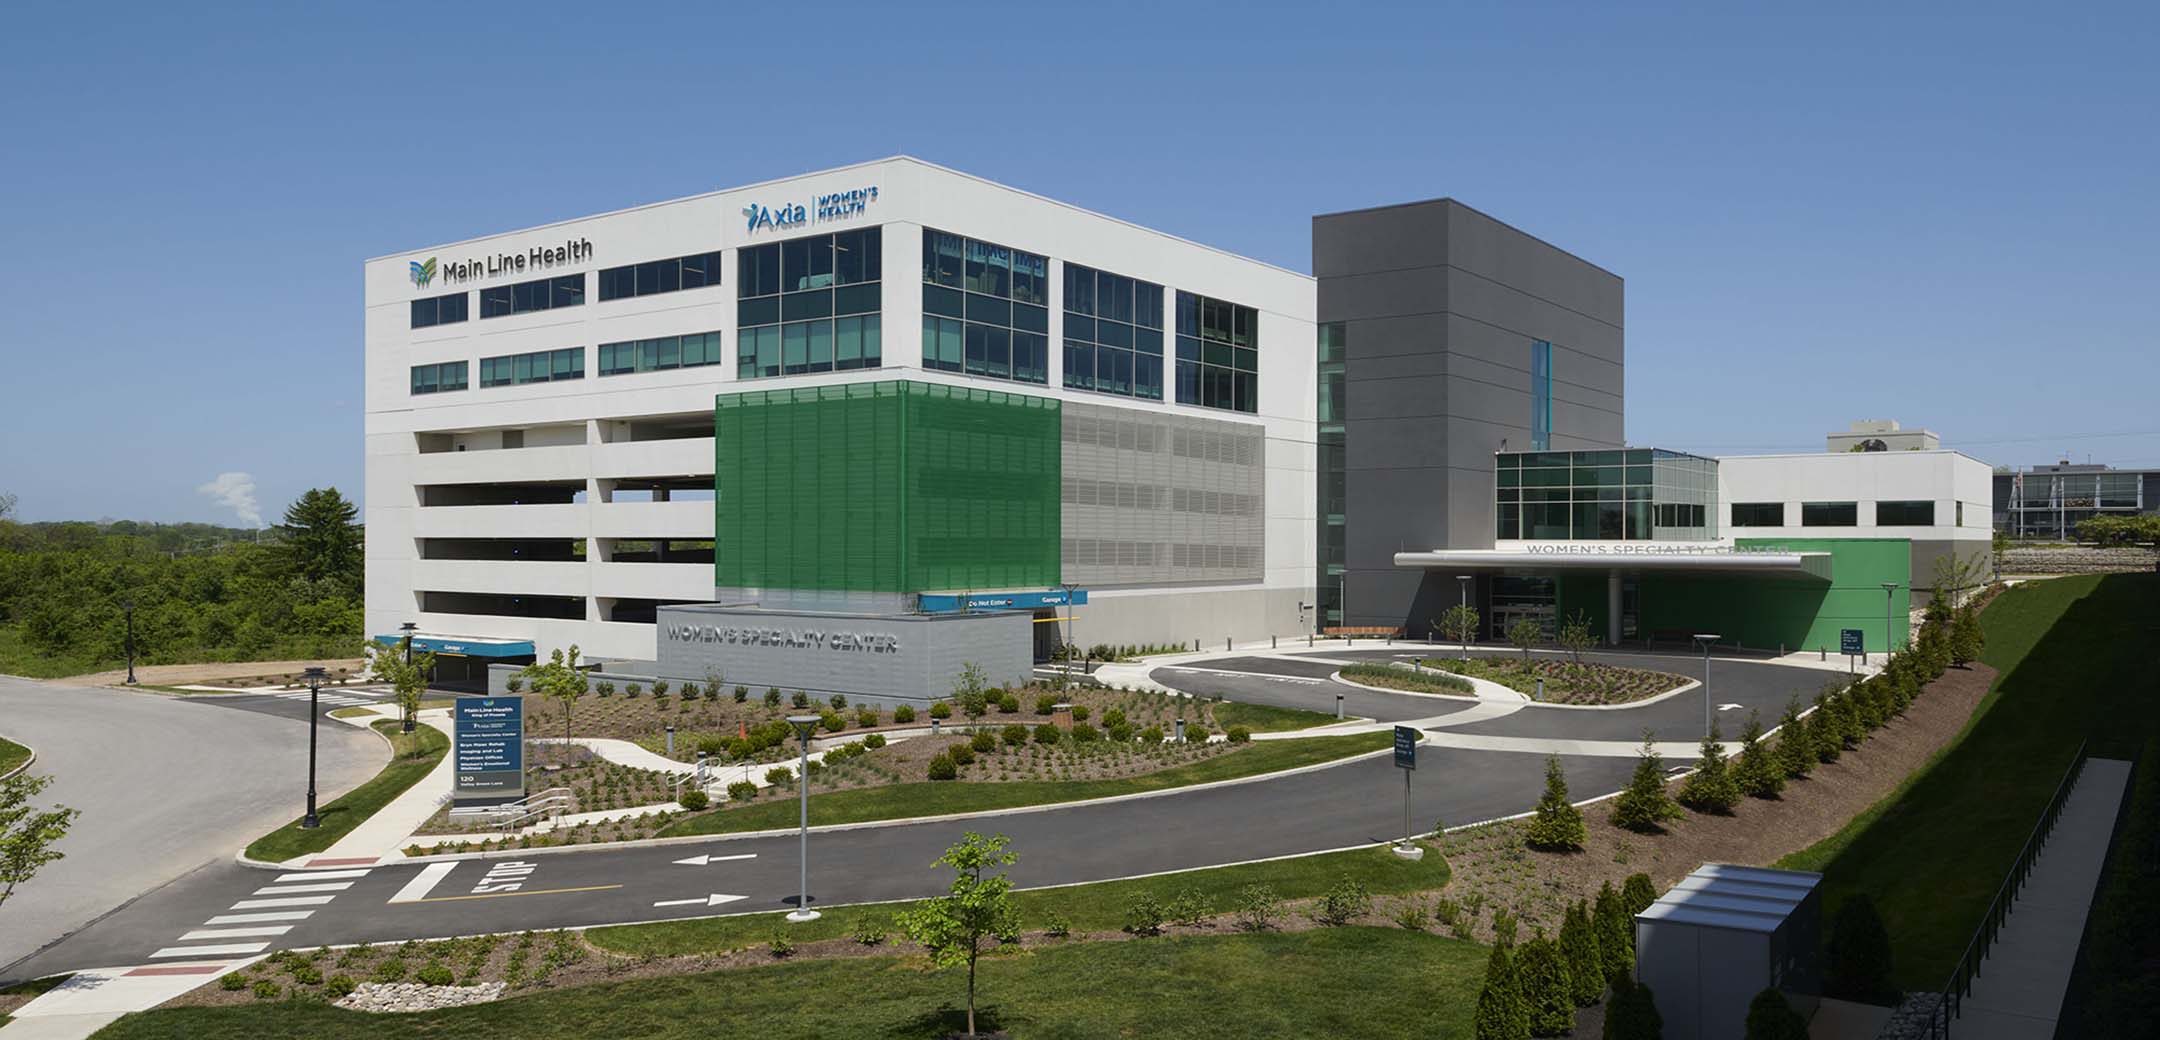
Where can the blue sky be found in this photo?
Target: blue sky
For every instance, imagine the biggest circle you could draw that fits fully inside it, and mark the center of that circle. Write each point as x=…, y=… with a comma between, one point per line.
x=1943, y=215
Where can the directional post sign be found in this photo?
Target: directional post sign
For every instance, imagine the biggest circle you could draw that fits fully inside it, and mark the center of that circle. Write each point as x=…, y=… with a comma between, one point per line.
x=488, y=742
x=1852, y=641
x=1406, y=747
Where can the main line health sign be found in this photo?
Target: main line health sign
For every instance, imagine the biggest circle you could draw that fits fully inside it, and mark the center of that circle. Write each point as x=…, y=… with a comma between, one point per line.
x=488, y=749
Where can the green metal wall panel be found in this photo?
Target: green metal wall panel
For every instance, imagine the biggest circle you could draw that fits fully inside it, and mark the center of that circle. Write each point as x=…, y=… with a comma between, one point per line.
x=888, y=486
x=1579, y=591
x=1800, y=615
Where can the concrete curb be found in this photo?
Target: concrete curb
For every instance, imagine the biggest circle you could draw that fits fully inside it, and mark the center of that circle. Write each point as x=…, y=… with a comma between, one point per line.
x=1471, y=697
x=26, y=763
x=365, y=723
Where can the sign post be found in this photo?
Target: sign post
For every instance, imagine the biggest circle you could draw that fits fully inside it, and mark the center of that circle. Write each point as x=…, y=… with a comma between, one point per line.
x=1852, y=641
x=1406, y=738
x=488, y=742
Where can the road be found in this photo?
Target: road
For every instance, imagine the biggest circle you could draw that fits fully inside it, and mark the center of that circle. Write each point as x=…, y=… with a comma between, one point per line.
x=164, y=784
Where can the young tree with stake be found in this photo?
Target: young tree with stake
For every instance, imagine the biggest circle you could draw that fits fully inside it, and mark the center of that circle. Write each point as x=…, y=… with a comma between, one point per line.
x=954, y=927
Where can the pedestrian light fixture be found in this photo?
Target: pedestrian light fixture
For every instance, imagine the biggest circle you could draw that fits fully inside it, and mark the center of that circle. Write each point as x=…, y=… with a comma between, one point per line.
x=804, y=724
x=314, y=677
x=1706, y=640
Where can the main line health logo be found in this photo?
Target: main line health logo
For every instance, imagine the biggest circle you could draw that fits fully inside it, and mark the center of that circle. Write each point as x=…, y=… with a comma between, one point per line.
x=422, y=274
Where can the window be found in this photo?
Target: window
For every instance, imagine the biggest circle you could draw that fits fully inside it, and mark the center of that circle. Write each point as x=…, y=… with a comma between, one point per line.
x=438, y=310
x=654, y=355
x=660, y=276
x=542, y=294
x=1633, y=494
x=1540, y=395
x=546, y=366
x=810, y=304
x=1905, y=514
x=985, y=309
x=1829, y=514
x=439, y=378
x=1218, y=353
x=1113, y=333
x=1758, y=514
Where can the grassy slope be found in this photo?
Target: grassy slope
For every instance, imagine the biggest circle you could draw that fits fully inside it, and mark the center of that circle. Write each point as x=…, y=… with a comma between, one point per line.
x=1363, y=982
x=2074, y=656
x=412, y=758
x=1267, y=718
x=11, y=755
x=1096, y=907
x=928, y=798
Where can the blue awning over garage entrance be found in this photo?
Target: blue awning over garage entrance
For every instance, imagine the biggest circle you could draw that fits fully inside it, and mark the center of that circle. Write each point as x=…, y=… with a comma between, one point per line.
x=468, y=646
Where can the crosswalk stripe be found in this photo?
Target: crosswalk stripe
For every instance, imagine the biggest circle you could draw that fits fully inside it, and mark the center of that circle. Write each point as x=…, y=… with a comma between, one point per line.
x=269, y=915
x=322, y=875
x=236, y=933
x=211, y=951
x=327, y=886
x=265, y=904
x=423, y=882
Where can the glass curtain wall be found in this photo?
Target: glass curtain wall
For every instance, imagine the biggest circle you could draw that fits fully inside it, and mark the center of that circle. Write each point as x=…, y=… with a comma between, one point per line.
x=1113, y=333
x=986, y=309
x=1632, y=494
x=809, y=305
x=1334, y=338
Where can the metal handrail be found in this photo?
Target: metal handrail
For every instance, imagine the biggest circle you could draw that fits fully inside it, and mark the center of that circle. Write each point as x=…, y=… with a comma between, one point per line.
x=1952, y=998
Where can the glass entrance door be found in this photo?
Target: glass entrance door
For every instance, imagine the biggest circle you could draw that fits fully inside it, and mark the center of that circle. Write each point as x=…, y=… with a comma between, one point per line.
x=1514, y=599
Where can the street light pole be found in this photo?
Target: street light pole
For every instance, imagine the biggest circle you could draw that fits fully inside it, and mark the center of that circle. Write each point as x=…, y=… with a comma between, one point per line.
x=1465, y=580
x=315, y=677
x=1889, y=606
x=1069, y=648
x=130, y=605
x=1706, y=639
x=803, y=725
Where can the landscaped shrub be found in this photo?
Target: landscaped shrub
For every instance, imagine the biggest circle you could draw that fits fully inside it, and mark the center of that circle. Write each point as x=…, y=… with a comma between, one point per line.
x=1145, y=915
x=633, y=690
x=868, y=932
x=1585, y=963
x=772, y=697
x=742, y=694
x=1057, y=926
x=694, y=800
x=690, y=691
x=1119, y=733
x=903, y=714
x=1113, y=717
x=1711, y=788
x=1080, y=712
x=1083, y=733
x=1636, y=894
x=983, y=741
x=942, y=767
x=800, y=698
x=779, y=775
x=838, y=701
x=338, y=987
x=1345, y=902
x=1008, y=703
x=780, y=946
x=866, y=717
x=1860, y=954
x=268, y=990
x=961, y=754
x=1045, y=704
x=1501, y=1012
x=1757, y=770
x=940, y=710
x=1615, y=931
x=1644, y=806
x=1151, y=736
x=233, y=982
x=1190, y=907
x=742, y=791
x=1196, y=732
x=1771, y=1017
x=659, y=688
x=873, y=741
x=1557, y=824
x=1258, y=908
x=1238, y=735
x=1546, y=988
x=390, y=970
x=604, y=688
x=1632, y=1012
x=1048, y=734
x=513, y=684
x=1503, y=925
x=1795, y=745
x=433, y=973
x=1015, y=735
x=832, y=721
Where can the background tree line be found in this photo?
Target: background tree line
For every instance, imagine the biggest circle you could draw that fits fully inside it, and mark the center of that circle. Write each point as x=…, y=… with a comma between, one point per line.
x=201, y=592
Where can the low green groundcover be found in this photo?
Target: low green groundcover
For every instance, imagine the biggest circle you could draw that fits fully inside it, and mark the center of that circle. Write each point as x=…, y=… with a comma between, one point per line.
x=412, y=756
x=1566, y=682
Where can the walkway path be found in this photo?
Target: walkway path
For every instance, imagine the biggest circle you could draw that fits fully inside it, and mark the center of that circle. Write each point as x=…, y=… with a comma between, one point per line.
x=390, y=829
x=2018, y=992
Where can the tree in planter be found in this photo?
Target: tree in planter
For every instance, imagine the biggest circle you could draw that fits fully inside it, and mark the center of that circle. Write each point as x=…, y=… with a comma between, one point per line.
x=1770, y=1017
x=1860, y=953
x=1644, y=805
x=27, y=837
x=1501, y=1013
x=1585, y=962
x=1615, y=932
x=1711, y=788
x=1460, y=623
x=1576, y=635
x=1558, y=824
x=1524, y=634
x=953, y=927
x=561, y=679
x=1757, y=771
x=1545, y=987
x=407, y=680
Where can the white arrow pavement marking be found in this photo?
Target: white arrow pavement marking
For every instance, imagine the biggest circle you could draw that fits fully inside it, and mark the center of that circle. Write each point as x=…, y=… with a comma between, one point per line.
x=1728, y=707
x=712, y=900
x=699, y=861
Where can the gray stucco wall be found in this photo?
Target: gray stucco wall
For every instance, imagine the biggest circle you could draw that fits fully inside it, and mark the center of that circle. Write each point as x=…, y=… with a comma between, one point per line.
x=1440, y=304
x=887, y=658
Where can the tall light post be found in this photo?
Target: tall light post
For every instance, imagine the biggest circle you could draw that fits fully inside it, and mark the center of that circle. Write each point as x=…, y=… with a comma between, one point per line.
x=1069, y=647
x=314, y=676
x=129, y=605
x=1706, y=639
x=803, y=725
x=1465, y=579
x=408, y=628
x=1889, y=607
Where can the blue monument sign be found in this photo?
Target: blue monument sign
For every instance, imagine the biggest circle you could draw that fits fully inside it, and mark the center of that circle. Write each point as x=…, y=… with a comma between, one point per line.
x=1852, y=641
x=488, y=743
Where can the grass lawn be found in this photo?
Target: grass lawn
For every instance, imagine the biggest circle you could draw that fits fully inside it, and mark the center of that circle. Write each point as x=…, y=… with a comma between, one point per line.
x=413, y=755
x=11, y=755
x=1363, y=982
x=1267, y=718
x=2075, y=657
x=934, y=798
x=1096, y=907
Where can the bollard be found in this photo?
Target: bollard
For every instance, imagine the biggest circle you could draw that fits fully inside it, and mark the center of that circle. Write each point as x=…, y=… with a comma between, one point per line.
x=1781, y=649
x=1824, y=652
x=1541, y=689
x=1180, y=731
x=671, y=740
x=1338, y=706
x=1196, y=646
x=933, y=726
x=1226, y=644
x=1308, y=640
x=1271, y=642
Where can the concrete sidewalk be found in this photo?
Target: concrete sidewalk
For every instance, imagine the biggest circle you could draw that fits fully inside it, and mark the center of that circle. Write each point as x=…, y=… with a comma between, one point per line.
x=2018, y=991
x=91, y=1000
x=386, y=833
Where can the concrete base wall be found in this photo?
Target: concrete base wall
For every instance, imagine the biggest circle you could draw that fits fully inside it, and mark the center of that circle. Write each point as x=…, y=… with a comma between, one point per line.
x=1208, y=615
x=883, y=658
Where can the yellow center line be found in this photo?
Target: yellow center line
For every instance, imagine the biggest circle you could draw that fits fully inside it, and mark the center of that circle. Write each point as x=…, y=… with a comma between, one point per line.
x=500, y=895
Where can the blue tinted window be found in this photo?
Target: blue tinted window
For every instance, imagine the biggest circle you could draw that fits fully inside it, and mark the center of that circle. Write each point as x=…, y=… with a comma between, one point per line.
x=790, y=292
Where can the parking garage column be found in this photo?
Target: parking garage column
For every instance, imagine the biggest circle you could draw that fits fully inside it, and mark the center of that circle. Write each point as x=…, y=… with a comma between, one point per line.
x=1612, y=607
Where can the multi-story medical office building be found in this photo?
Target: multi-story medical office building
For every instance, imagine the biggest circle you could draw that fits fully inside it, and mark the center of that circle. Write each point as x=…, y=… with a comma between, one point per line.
x=2050, y=501
x=893, y=389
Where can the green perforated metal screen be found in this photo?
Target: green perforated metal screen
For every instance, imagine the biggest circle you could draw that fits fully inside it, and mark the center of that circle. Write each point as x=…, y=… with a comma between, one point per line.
x=890, y=486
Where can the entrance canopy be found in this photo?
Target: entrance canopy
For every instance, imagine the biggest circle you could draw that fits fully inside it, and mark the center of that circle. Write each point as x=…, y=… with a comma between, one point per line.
x=1610, y=556
x=469, y=646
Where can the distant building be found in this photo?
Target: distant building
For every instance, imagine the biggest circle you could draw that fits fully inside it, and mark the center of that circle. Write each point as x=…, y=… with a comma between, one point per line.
x=1881, y=435
x=2049, y=501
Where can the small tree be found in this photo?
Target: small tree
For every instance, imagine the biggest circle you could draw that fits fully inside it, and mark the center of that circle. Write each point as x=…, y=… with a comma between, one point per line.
x=1525, y=633
x=1632, y=1013
x=1967, y=639
x=1501, y=1013
x=1770, y=1017
x=1637, y=893
x=27, y=836
x=1825, y=735
x=1644, y=804
x=953, y=927
x=1795, y=747
x=1711, y=788
x=1757, y=771
x=407, y=679
x=1615, y=933
x=1558, y=824
x=1576, y=635
x=561, y=679
x=1860, y=953
x=969, y=689
x=1585, y=963
x=1546, y=988
x=1460, y=623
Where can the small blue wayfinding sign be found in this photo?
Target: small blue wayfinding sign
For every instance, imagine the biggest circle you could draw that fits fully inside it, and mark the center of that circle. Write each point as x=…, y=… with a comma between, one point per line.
x=1852, y=641
x=488, y=742
x=1406, y=747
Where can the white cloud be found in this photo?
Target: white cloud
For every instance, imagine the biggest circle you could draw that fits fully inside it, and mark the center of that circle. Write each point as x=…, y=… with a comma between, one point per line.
x=235, y=491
